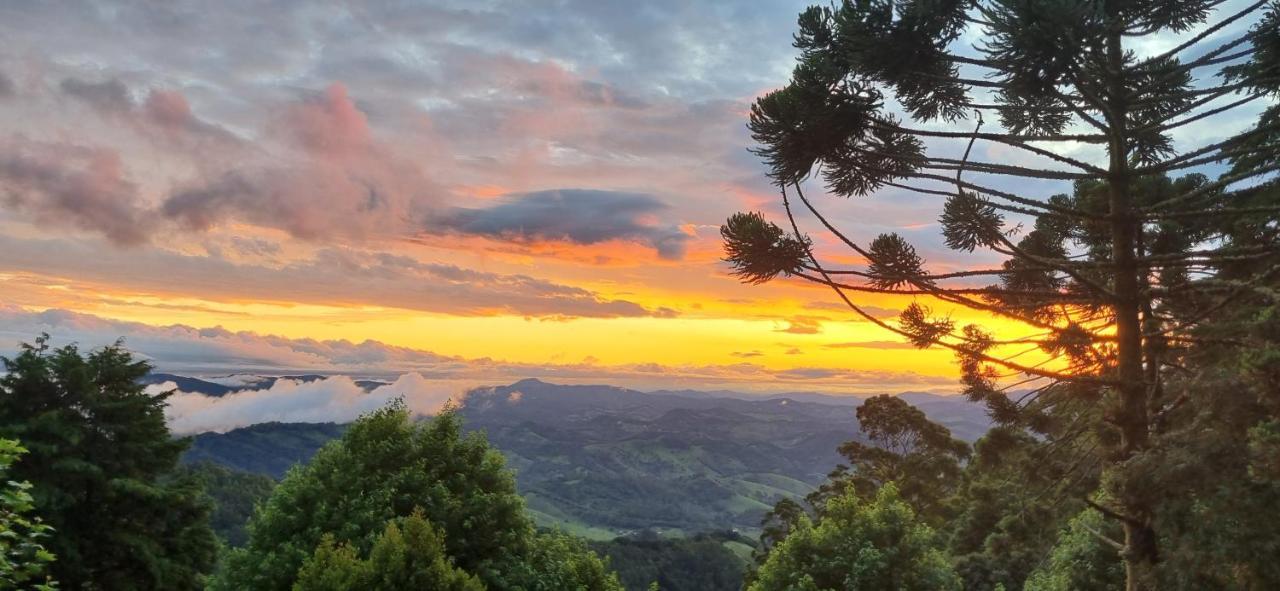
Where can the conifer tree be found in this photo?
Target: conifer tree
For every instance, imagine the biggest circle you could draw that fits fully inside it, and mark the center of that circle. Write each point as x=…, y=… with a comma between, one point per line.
x=1111, y=279
x=102, y=467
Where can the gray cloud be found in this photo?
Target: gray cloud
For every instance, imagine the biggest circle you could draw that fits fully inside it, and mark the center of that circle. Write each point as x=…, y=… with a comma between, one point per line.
x=580, y=216
x=108, y=96
x=7, y=87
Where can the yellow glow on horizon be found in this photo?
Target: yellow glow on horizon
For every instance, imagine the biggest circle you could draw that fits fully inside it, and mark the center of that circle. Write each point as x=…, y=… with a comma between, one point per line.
x=777, y=334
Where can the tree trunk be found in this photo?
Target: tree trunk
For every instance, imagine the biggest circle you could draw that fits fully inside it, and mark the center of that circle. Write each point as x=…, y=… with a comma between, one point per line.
x=1131, y=416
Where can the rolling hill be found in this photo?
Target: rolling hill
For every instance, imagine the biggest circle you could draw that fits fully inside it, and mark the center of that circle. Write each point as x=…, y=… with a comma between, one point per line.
x=602, y=461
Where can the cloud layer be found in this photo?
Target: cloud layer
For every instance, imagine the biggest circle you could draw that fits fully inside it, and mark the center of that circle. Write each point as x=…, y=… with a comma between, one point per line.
x=334, y=399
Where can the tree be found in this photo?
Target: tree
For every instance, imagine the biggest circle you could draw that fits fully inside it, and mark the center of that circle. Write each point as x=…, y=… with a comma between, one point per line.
x=234, y=495
x=1215, y=462
x=1080, y=560
x=102, y=468
x=1112, y=279
x=906, y=448
x=23, y=557
x=703, y=562
x=857, y=544
x=776, y=525
x=1009, y=507
x=405, y=557
x=384, y=468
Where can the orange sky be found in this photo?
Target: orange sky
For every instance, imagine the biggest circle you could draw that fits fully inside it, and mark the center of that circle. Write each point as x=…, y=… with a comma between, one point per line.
x=499, y=200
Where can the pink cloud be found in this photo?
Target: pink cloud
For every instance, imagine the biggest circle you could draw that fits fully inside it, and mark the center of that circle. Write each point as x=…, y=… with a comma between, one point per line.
x=61, y=184
x=330, y=124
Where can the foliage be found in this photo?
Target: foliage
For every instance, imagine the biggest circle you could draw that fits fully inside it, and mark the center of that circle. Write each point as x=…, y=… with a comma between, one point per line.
x=234, y=495
x=857, y=544
x=1080, y=560
x=405, y=557
x=1216, y=461
x=101, y=465
x=24, y=560
x=904, y=447
x=1114, y=280
x=700, y=563
x=385, y=467
x=1008, y=510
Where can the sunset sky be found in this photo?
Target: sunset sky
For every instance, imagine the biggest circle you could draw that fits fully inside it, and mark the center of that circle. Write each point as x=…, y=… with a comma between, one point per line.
x=470, y=190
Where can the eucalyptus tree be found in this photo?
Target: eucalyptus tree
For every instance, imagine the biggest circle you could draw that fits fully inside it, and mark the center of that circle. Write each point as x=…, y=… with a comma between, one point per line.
x=989, y=106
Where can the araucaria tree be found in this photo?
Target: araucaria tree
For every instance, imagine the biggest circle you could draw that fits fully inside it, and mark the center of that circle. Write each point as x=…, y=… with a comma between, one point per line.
x=1147, y=109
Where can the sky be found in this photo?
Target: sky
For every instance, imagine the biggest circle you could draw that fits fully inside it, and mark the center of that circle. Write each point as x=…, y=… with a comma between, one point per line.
x=476, y=191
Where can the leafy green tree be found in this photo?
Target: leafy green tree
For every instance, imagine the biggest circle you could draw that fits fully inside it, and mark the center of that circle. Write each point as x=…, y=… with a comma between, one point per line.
x=1080, y=560
x=101, y=465
x=384, y=468
x=919, y=456
x=406, y=557
x=776, y=525
x=1113, y=279
x=24, y=561
x=1020, y=488
x=857, y=544
x=905, y=448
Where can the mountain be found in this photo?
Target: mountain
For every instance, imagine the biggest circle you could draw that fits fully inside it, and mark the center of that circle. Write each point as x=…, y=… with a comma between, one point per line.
x=602, y=461
x=265, y=448
x=186, y=384
x=965, y=419
x=223, y=385
x=623, y=460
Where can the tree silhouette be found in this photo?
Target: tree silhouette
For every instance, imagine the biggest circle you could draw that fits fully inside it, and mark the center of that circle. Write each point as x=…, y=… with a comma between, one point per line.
x=1111, y=280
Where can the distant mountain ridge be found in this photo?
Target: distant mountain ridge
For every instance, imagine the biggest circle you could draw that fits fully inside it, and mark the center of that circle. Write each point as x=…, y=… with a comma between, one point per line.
x=603, y=460
x=239, y=383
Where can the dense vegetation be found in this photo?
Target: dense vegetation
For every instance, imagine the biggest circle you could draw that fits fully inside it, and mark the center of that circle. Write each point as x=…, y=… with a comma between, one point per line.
x=713, y=561
x=23, y=558
x=386, y=474
x=102, y=469
x=235, y=494
x=1146, y=284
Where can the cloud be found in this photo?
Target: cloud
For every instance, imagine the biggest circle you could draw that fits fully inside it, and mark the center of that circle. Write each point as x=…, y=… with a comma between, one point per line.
x=331, y=276
x=803, y=325
x=334, y=399
x=874, y=311
x=109, y=96
x=7, y=87
x=255, y=246
x=63, y=185
x=332, y=180
x=580, y=216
